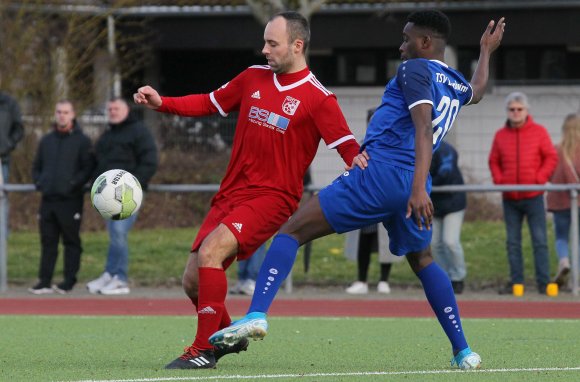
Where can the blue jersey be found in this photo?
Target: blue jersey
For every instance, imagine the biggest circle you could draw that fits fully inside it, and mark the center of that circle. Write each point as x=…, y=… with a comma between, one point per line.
x=390, y=135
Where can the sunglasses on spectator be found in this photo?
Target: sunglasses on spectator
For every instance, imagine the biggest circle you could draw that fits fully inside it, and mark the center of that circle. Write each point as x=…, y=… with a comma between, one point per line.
x=512, y=109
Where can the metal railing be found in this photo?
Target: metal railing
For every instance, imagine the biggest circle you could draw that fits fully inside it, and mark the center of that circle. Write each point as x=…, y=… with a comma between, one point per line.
x=572, y=188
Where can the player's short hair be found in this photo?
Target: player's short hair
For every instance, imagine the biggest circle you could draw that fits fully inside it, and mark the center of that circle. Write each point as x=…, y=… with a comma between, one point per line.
x=518, y=97
x=297, y=25
x=433, y=20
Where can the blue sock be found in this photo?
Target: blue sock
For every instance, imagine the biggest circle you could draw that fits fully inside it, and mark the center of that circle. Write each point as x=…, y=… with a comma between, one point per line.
x=274, y=270
x=440, y=295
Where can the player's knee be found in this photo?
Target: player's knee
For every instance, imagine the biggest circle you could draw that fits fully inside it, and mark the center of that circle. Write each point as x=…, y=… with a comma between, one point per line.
x=419, y=260
x=211, y=258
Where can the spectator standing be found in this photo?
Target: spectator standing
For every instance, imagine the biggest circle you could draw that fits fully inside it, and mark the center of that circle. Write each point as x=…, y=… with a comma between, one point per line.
x=567, y=171
x=248, y=272
x=127, y=144
x=522, y=153
x=448, y=216
x=62, y=166
x=359, y=246
x=11, y=132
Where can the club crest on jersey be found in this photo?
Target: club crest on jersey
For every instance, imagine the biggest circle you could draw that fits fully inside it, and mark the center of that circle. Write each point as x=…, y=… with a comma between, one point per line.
x=290, y=105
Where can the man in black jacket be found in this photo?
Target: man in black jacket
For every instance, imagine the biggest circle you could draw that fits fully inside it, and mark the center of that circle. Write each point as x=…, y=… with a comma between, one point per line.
x=449, y=212
x=63, y=164
x=11, y=130
x=126, y=145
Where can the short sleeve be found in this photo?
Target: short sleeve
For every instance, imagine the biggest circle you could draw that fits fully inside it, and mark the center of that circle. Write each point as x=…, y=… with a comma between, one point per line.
x=468, y=96
x=414, y=79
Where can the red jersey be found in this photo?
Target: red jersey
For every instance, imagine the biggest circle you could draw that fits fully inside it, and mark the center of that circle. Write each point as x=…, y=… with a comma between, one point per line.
x=282, y=119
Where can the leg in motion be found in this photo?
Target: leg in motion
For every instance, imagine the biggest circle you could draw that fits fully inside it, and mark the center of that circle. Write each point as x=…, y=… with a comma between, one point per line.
x=307, y=224
x=439, y=292
x=205, y=284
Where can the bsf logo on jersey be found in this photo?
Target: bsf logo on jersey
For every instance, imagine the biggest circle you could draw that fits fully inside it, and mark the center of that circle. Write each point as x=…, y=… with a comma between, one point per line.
x=266, y=118
x=290, y=105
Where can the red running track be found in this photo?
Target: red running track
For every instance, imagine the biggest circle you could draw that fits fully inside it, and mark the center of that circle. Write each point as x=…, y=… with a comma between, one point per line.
x=290, y=307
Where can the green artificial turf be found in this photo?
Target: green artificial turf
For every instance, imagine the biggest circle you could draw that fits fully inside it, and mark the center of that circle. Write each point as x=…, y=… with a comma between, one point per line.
x=126, y=348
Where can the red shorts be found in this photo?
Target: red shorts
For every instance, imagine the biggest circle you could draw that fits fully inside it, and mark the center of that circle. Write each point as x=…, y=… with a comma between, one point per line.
x=252, y=221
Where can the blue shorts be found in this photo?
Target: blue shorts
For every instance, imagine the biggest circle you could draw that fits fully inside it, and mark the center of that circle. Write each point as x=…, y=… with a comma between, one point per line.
x=378, y=194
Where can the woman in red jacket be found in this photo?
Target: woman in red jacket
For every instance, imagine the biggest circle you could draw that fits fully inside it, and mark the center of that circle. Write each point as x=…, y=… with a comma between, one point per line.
x=523, y=153
x=567, y=171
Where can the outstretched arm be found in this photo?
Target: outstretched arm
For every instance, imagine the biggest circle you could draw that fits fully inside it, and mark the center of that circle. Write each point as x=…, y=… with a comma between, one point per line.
x=489, y=42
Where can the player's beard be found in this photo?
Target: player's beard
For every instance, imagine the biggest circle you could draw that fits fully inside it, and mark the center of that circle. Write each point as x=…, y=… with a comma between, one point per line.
x=283, y=64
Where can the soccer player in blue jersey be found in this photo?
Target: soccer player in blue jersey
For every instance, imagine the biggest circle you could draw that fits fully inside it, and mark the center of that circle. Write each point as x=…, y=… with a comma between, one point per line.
x=417, y=109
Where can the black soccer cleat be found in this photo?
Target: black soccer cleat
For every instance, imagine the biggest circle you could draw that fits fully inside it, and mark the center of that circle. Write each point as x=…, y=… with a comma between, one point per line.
x=194, y=359
x=221, y=350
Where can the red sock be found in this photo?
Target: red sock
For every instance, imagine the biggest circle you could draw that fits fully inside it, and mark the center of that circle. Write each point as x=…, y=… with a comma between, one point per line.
x=226, y=319
x=213, y=288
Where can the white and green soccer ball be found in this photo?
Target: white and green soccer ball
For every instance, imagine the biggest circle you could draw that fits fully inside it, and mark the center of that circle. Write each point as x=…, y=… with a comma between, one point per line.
x=116, y=194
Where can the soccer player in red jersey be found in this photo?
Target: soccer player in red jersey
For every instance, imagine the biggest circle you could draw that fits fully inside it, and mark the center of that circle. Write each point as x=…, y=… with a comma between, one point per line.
x=283, y=113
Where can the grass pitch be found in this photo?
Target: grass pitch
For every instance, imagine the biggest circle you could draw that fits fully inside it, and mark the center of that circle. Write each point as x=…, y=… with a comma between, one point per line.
x=127, y=348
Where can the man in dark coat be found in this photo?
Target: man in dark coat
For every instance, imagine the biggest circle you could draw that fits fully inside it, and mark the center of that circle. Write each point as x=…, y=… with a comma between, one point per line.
x=63, y=164
x=126, y=145
x=449, y=213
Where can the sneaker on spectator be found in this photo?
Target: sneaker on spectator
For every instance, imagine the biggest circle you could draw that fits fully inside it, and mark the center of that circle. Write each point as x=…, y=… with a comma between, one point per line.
x=248, y=287
x=62, y=288
x=457, y=286
x=358, y=287
x=41, y=288
x=97, y=284
x=563, y=270
x=236, y=289
x=115, y=286
x=383, y=287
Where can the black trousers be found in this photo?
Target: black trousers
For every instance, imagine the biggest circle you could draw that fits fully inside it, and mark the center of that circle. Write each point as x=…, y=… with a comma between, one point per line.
x=61, y=218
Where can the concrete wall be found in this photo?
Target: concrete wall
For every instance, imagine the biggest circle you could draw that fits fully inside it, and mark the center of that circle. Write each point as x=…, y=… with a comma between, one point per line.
x=472, y=133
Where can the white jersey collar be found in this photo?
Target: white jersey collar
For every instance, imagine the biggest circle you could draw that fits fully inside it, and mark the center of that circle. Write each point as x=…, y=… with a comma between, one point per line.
x=292, y=85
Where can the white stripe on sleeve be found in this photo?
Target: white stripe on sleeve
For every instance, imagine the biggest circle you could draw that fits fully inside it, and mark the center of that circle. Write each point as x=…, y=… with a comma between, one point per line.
x=420, y=102
x=339, y=141
x=216, y=104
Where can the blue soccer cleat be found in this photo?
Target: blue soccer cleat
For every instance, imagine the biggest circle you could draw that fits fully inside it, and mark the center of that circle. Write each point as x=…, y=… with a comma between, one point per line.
x=466, y=360
x=252, y=325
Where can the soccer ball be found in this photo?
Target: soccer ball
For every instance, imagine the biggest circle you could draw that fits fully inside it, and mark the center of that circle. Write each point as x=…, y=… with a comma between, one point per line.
x=116, y=194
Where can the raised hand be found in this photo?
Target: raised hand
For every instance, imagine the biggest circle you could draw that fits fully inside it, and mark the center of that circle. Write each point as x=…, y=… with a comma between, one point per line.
x=492, y=37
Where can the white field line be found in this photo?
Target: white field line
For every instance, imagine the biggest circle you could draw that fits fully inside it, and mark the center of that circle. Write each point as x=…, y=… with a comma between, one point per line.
x=328, y=375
